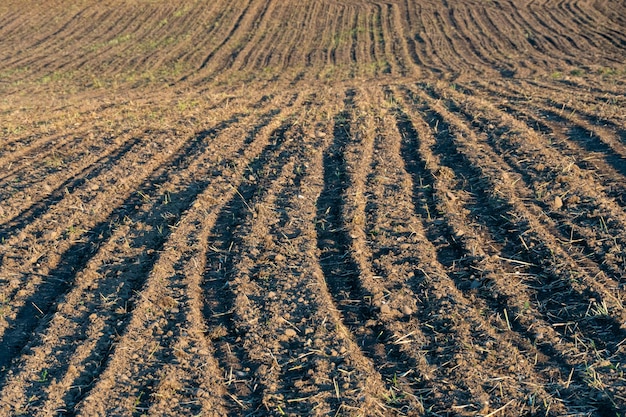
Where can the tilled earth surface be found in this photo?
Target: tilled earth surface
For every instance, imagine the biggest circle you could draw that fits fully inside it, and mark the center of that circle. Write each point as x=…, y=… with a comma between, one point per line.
x=356, y=208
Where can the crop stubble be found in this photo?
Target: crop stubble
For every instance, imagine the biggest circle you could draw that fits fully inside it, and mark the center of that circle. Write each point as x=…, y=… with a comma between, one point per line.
x=312, y=208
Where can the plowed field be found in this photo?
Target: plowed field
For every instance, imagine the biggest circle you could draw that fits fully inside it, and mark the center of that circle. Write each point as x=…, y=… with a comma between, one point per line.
x=330, y=208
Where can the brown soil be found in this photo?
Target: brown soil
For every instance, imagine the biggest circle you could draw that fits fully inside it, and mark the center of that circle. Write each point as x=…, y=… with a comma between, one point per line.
x=356, y=208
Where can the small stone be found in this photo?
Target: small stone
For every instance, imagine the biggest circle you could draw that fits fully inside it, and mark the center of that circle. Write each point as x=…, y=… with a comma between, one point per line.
x=290, y=332
x=557, y=203
x=407, y=310
x=385, y=309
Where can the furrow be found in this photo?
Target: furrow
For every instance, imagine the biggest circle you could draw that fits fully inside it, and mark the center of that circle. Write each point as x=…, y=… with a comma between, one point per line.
x=172, y=295
x=56, y=186
x=578, y=229
x=228, y=310
x=118, y=271
x=562, y=294
x=36, y=279
x=446, y=264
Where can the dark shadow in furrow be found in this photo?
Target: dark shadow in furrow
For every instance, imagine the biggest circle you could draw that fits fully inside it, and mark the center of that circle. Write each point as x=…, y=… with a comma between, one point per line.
x=132, y=272
x=40, y=152
x=284, y=202
x=341, y=272
x=582, y=243
x=534, y=123
x=206, y=60
x=141, y=268
x=437, y=331
x=61, y=279
x=449, y=254
x=166, y=353
x=492, y=212
x=68, y=186
x=593, y=119
x=453, y=255
x=613, y=189
x=423, y=194
x=588, y=141
x=224, y=246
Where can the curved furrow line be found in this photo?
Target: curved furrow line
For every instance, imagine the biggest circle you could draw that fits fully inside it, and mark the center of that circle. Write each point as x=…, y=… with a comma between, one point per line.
x=554, y=32
x=613, y=12
x=45, y=152
x=224, y=56
x=283, y=51
x=600, y=112
x=116, y=272
x=573, y=86
x=571, y=180
x=396, y=48
x=525, y=51
x=340, y=35
x=593, y=140
x=453, y=263
x=325, y=370
x=535, y=50
x=64, y=219
x=50, y=191
x=562, y=290
x=375, y=47
x=430, y=46
x=236, y=23
x=301, y=40
x=598, y=121
x=232, y=312
x=348, y=286
x=593, y=157
x=36, y=275
x=332, y=16
x=404, y=20
x=361, y=55
x=448, y=44
x=442, y=337
x=354, y=30
x=262, y=41
x=544, y=38
x=12, y=20
x=70, y=47
x=208, y=34
x=165, y=300
x=51, y=36
x=274, y=284
x=572, y=35
x=359, y=294
x=579, y=19
x=505, y=29
x=501, y=286
x=471, y=36
x=587, y=223
x=572, y=187
x=590, y=35
x=598, y=106
x=486, y=44
x=587, y=136
x=578, y=232
x=115, y=52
